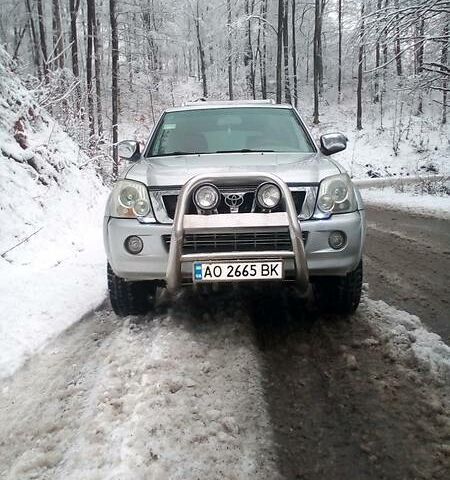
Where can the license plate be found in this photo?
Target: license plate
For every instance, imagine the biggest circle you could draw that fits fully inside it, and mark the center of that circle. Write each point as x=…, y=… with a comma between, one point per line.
x=237, y=271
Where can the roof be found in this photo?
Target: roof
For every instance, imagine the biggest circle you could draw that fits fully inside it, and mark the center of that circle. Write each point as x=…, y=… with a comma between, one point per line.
x=202, y=104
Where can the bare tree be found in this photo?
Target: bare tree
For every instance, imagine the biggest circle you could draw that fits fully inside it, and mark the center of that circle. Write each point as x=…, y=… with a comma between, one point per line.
x=114, y=84
x=287, y=86
x=230, y=53
x=89, y=75
x=316, y=58
x=398, y=48
x=320, y=46
x=445, y=69
x=74, y=5
x=201, y=51
x=248, y=49
x=43, y=40
x=376, y=96
x=263, y=54
x=419, y=57
x=34, y=38
x=294, y=55
x=97, y=67
x=279, y=49
x=58, y=39
x=340, y=49
x=360, y=71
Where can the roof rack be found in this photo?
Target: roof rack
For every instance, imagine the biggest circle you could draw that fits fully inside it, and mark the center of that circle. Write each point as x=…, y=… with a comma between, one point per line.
x=203, y=101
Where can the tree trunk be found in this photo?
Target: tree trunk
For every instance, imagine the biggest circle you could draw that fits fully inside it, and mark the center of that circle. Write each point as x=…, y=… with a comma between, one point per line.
x=201, y=53
x=263, y=57
x=73, y=10
x=376, y=96
x=307, y=58
x=316, y=59
x=444, y=62
x=294, y=57
x=248, y=51
x=34, y=39
x=287, y=85
x=385, y=54
x=19, y=38
x=73, y=7
x=398, y=58
x=42, y=38
x=320, y=47
x=419, y=59
x=97, y=63
x=230, y=53
x=340, y=50
x=114, y=85
x=89, y=55
x=360, y=72
x=58, y=39
x=279, y=48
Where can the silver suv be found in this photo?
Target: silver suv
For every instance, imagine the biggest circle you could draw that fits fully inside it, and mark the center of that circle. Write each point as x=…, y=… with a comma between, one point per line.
x=234, y=192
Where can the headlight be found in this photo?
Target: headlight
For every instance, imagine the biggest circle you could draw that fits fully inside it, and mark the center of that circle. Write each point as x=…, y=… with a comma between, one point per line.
x=129, y=199
x=336, y=195
x=268, y=196
x=206, y=197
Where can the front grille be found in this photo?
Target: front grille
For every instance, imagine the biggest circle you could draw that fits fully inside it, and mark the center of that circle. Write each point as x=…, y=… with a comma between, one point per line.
x=235, y=242
x=170, y=201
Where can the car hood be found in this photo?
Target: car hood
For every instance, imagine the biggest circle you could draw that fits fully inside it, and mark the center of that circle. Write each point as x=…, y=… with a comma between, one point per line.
x=177, y=170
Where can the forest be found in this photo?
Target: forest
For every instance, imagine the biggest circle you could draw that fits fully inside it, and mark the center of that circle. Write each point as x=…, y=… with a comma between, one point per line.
x=106, y=69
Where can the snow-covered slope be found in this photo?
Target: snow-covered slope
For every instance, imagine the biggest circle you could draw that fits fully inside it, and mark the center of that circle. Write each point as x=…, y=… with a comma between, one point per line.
x=51, y=201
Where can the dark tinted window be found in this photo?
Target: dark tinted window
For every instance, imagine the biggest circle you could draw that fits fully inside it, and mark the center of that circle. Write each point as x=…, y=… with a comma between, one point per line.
x=229, y=130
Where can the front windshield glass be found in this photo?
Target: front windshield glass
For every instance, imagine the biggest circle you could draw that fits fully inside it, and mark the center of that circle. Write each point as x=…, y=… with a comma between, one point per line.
x=223, y=130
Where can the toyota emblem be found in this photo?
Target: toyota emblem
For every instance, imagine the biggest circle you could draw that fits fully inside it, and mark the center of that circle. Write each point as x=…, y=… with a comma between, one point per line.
x=234, y=201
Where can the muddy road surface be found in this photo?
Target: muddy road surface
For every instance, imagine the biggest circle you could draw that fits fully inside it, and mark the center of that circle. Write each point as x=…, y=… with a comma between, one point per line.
x=407, y=264
x=257, y=386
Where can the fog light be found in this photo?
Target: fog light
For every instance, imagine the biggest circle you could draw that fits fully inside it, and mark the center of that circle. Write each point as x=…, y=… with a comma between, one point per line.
x=268, y=195
x=207, y=197
x=134, y=245
x=337, y=240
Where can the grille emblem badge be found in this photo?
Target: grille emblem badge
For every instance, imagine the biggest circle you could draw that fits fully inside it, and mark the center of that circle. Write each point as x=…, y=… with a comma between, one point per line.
x=234, y=201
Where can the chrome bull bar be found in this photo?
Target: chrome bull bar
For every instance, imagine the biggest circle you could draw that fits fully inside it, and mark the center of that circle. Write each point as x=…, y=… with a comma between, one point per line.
x=183, y=223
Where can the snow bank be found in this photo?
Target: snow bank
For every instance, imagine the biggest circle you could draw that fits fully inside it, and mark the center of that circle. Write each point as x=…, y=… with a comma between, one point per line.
x=51, y=201
x=407, y=338
x=432, y=205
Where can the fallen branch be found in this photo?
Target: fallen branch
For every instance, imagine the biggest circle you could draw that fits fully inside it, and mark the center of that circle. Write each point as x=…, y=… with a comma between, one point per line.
x=20, y=243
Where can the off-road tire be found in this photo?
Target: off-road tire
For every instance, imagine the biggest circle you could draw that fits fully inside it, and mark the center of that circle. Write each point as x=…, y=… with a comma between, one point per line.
x=130, y=298
x=339, y=294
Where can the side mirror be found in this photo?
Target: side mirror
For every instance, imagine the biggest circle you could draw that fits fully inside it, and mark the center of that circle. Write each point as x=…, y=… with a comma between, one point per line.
x=332, y=143
x=129, y=150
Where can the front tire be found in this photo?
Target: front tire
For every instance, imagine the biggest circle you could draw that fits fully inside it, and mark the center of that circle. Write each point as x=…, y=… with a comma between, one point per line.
x=339, y=294
x=130, y=298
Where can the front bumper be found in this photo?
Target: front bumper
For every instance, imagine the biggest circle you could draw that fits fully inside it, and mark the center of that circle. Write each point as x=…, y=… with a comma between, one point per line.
x=152, y=262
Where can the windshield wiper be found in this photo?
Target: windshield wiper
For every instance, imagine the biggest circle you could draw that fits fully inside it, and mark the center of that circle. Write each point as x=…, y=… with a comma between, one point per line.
x=244, y=150
x=178, y=153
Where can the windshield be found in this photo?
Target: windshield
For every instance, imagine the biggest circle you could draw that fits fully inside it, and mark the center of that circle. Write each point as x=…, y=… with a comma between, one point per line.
x=223, y=130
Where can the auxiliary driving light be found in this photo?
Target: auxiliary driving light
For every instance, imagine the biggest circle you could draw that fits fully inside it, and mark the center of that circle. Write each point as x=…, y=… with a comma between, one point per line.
x=134, y=244
x=337, y=240
x=268, y=196
x=206, y=197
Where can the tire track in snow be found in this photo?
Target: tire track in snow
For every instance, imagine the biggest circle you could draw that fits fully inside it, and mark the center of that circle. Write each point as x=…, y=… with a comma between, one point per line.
x=219, y=387
x=365, y=397
x=176, y=397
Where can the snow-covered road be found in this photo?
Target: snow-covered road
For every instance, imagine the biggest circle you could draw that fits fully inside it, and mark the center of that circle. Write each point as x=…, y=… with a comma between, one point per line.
x=231, y=387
